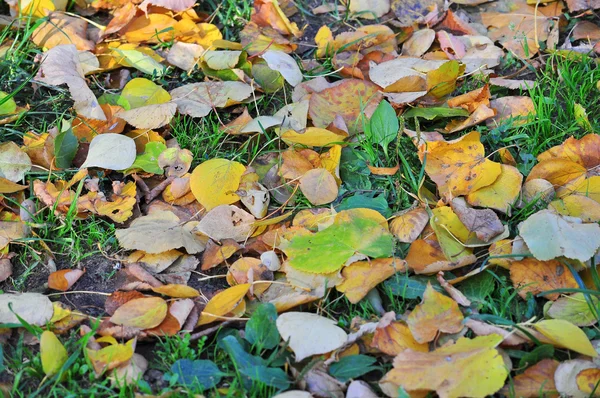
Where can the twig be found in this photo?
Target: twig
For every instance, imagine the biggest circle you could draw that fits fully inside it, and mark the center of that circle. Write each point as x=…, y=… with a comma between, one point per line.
x=141, y=184
x=209, y=331
x=157, y=190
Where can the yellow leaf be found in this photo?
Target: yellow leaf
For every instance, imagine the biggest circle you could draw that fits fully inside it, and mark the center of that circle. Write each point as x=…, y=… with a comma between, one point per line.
x=459, y=167
x=468, y=368
x=408, y=225
x=141, y=313
x=215, y=181
x=564, y=334
x=324, y=39
x=588, y=380
x=362, y=276
x=110, y=357
x=577, y=206
x=442, y=81
x=223, y=303
x=437, y=313
x=502, y=193
x=152, y=28
x=140, y=92
x=53, y=353
x=179, y=291
x=313, y=136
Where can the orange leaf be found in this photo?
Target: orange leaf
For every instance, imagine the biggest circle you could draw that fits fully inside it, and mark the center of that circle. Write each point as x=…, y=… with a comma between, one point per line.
x=408, y=225
x=362, y=276
x=536, y=380
x=178, y=291
x=534, y=276
x=395, y=338
x=215, y=253
x=63, y=280
x=437, y=313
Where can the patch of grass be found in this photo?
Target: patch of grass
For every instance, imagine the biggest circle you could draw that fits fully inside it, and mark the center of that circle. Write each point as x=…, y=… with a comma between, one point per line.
x=232, y=16
x=170, y=349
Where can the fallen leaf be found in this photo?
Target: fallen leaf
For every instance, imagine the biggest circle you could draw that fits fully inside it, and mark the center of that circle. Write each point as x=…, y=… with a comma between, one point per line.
x=216, y=253
x=588, y=380
x=362, y=276
x=483, y=222
x=319, y=186
x=354, y=232
x=110, y=151
x=141, y=313
x=451, y=369
x=111, y=356
x=177, y=291
x=61, y=29
x=215, y=181
x=564, y=334
x=369, y=9
x=61, y=65
x=310, y=334
x=575, y=308
x=227, y=222
x=14, y=162
x=549, y=235
x=284, y=64
x=53, y=354
x=459, y=167
x=534, y=276
x=63, y=280
x=349, y=99
x=418, y=43
x=158, y=232
x=36, y=309
x=396, y=337
x=199, y=99
x=502, y=193
x=153, y=28
x=223, y=303
x=408, y=225
x=436, y=313
x=537, y=379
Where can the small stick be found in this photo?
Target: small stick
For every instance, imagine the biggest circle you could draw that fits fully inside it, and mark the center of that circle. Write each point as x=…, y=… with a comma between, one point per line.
x=157, y=190
x=141, y=183
x=209, y=331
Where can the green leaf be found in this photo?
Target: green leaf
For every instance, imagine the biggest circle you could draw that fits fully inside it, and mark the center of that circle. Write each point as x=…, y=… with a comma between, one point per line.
x=353, y=232
x=7, y=105
x=238, y=355
x=65, y=148
x=273, y=377
x=114, y=99
x=478, y=287
x=148, y=161
x=384, y=125
x=202, y=373
x=378, y=203
x=410, y=287
x=351, y=367
x=531, y=358
x=435, y=112
x=143, y=62
x=261, y=330
x=269, y=80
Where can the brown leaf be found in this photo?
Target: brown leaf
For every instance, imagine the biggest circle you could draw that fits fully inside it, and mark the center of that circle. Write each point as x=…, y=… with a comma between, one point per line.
x=408, y=225
x=118, y=298
x=62, y=29
x=216, y=253
x=535, y=381
x=484, y=222
x=319, y=186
